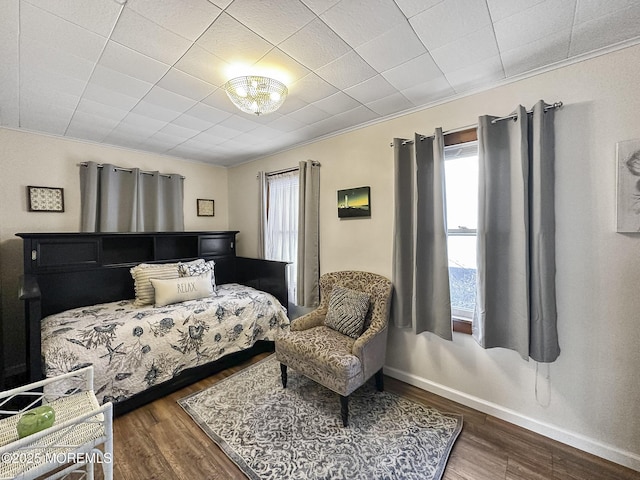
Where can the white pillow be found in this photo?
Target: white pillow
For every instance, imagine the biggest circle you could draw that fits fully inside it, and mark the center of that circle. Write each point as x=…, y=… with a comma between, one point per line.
x=143, y=273
x=181, y=289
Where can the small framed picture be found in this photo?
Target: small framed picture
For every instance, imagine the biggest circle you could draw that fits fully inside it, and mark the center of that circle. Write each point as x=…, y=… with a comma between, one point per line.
x=205, y=208
x=354, y=202
x=45, y=199
x=628, y=194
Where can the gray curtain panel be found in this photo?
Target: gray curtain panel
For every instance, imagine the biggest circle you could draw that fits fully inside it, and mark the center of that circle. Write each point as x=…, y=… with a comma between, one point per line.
x=114, y=199
x=432, y=297
x=309, y=235
x=262, y=213
x=403, y=238
x=420, y=269
x=515, y=302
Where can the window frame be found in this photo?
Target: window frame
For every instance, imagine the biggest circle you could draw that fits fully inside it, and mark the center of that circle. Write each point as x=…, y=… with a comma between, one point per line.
x=460, y=324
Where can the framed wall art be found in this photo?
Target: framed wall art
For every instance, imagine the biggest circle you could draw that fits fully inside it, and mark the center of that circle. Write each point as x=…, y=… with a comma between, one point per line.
x=354, y=202
x=206, y=207
x=45, y=199
x=628, y=191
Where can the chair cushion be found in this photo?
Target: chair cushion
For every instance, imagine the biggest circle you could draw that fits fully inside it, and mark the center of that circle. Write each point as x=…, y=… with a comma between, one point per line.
x=347, y=311
x=323, y=349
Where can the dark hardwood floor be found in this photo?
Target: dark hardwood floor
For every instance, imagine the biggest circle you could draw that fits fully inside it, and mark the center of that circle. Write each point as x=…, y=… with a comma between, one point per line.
x=160, y=441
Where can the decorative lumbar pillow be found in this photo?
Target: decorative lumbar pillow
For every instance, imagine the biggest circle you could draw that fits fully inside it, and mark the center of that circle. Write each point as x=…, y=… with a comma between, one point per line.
x=142, y=275
x=36, y=420
x=181, y=289
x=347, y=311
x=191, y=269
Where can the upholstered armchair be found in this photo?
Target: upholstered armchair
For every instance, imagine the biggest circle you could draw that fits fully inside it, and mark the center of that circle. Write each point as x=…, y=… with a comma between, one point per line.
x=340, y=362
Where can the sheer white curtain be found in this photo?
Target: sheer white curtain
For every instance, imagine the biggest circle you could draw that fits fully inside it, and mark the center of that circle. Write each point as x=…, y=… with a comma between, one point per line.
x=281, y=236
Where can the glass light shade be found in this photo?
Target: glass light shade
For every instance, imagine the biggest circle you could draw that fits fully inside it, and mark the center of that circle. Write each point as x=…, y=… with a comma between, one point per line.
x=255, y=94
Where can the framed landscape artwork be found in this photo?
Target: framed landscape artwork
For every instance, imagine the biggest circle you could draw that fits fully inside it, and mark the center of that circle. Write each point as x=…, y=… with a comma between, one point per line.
x=354, y=202
x=628, y=192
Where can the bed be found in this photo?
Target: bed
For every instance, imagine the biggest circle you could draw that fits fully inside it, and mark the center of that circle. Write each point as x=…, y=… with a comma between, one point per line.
x=81, y=308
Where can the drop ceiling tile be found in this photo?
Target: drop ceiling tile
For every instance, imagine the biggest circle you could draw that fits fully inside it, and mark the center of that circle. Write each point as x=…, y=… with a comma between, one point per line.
x=346, y=71
x=548, y=50
x=315, y=45
x=152, y=110
x=221, y=3
x=45, y=58
x=107, y=78
x=291, y=104
x=449, y=20
x=279, y=65
x=187, y=18
x=392, y=104
x=356, y=116
x=464, y=51
x=477, y=75
x=44, y=81
x=501, y=9
x=134, y=64
x=319, y=6
x=208, y=114
x=204, y=66
x=43, y=27
x=99, y=19
x=231, y=41
x=108, y=112
x=272, y=22
x=260, y=134
x=221, y=101
x=110, y=97
x=357, y=23
x=309, y=114
x=83, y=131
x=428, y=92
x=413, y=7
x=241, y=122
x=312, y=88
x=187, y=121
x=392, y=48
x=284, y=123
x=616, y=27
x=587, y=10
x=9, y=104
x=141, y=123
x=222, y=132
x=45, y=118
x=35, y=92
x=93, y=122
x=164, y=139
x=518, y=30
x=166, y=99
x=372, y=89
x=417, y=70
x=177, y=131
x=337, y=103
x=186, y=85
x=142, y=35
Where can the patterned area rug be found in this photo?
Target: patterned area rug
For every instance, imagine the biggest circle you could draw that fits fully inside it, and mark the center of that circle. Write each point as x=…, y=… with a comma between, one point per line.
x=296, y=433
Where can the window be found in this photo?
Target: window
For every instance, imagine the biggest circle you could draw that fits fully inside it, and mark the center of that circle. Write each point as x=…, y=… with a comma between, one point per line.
x=461, y=172
x=281, y=236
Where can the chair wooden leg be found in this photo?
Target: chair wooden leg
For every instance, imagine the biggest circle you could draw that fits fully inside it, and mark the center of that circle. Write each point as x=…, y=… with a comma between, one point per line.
x=283, y=375
x=344, y=410
x=379, y=381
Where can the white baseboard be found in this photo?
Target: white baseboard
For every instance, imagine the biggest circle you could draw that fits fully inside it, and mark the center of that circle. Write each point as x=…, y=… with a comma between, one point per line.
x=587, y=444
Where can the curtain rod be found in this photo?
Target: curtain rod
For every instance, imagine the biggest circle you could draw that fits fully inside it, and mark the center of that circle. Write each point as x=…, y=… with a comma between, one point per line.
x=121, y=169
x=287, y=170
x=553, y=106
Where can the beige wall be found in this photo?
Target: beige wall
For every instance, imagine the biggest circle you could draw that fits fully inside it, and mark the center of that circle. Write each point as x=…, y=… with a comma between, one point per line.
x=32, y=159
x=589, y=396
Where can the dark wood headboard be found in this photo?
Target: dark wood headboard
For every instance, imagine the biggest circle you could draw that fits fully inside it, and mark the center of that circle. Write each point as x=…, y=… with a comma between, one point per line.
x=69, y=270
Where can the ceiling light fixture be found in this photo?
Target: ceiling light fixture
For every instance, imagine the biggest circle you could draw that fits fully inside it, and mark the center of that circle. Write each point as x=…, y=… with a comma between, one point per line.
x=255, y=94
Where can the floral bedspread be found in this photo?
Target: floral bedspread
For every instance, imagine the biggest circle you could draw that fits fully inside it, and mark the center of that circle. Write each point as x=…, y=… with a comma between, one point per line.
x=132, y=348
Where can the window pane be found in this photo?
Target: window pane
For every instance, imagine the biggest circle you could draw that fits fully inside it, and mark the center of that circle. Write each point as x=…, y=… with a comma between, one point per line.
x=462, y=190
x=462, y=271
